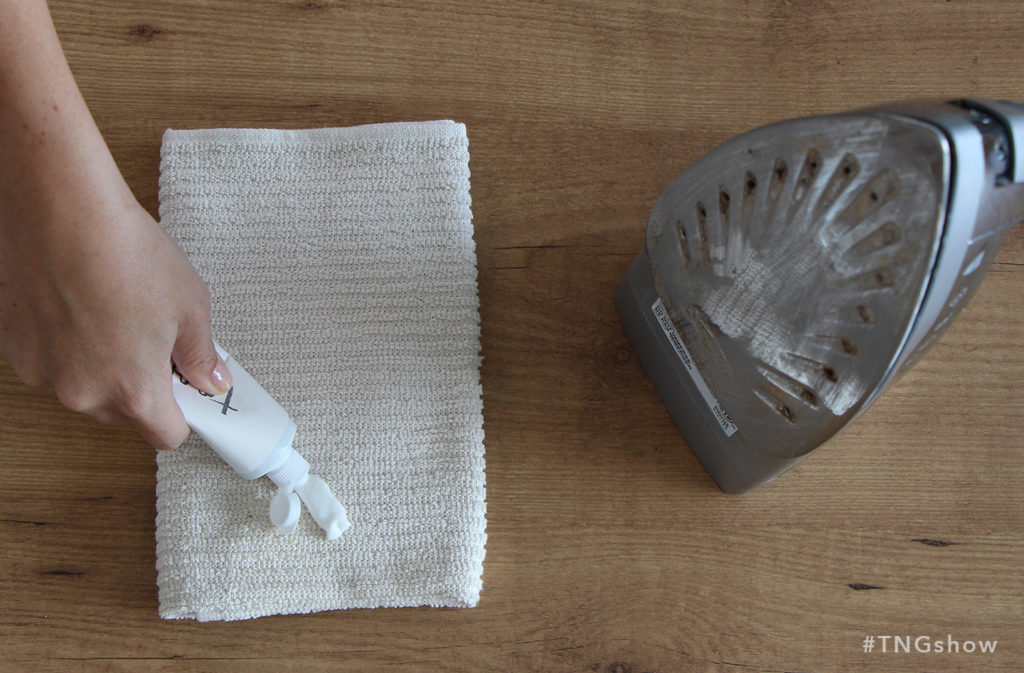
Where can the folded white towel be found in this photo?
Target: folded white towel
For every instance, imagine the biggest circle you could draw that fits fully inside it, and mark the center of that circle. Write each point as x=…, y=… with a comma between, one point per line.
x=343, y=273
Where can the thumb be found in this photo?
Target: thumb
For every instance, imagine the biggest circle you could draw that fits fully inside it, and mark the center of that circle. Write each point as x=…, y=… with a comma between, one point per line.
x=197, y=359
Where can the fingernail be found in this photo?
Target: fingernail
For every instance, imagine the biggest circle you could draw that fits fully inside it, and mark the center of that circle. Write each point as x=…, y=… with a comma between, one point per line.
x=221, y=377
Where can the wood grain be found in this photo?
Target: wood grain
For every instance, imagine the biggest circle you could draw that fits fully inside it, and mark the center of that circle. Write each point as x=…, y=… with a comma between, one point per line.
x=609, y=547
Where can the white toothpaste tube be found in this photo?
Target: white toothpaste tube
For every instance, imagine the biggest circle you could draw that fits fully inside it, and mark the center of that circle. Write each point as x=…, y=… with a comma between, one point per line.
x=253, y=434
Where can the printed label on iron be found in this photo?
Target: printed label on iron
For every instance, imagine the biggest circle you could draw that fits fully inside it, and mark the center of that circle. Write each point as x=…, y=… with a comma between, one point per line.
x=658, y=308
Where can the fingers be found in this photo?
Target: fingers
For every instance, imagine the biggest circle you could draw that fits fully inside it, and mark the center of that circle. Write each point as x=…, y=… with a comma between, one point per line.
x=164, y=428
x=196, y=358
x=145, y=402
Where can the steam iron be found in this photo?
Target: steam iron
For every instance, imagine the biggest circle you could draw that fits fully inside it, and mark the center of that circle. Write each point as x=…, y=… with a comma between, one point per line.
x=793, y=271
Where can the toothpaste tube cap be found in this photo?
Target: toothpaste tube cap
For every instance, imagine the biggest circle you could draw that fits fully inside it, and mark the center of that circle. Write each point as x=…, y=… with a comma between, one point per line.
x=284, y=510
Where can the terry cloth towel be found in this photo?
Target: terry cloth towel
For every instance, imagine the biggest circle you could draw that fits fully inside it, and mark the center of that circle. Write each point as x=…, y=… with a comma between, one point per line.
x=342, y=269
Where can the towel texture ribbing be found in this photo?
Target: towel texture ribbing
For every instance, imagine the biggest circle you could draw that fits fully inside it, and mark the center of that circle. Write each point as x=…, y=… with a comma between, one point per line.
x=342, y=268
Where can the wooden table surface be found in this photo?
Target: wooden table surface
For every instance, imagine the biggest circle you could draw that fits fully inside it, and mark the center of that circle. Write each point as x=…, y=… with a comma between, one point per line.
x=609, y=548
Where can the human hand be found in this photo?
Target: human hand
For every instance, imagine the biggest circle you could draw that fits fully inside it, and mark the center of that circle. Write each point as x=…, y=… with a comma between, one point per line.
x=95, y=299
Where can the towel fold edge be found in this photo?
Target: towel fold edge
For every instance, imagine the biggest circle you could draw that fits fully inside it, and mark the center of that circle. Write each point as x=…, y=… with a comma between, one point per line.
x=383, y=131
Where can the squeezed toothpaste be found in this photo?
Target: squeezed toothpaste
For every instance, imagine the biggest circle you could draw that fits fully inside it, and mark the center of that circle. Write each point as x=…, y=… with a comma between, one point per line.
x=250, y=431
